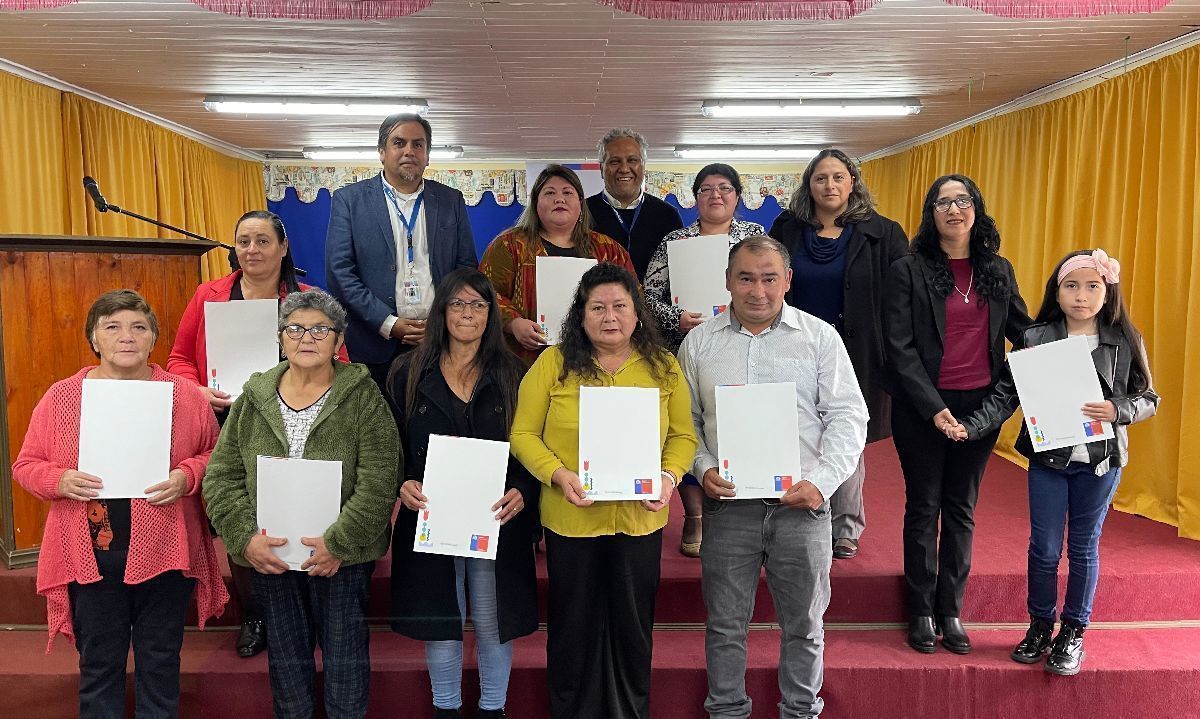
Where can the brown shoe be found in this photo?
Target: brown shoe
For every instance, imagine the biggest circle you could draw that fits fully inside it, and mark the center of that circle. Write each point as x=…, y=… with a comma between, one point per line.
x=845, y=548
x=686, y=548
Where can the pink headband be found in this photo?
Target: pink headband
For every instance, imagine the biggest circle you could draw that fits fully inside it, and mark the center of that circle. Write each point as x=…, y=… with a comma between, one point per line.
x=1099, y=261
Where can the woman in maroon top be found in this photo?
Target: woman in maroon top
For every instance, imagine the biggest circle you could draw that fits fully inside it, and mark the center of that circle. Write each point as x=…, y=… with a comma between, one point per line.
x=948, y=307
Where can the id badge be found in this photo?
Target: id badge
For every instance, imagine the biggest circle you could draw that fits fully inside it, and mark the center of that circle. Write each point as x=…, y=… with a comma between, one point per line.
x=412, y=292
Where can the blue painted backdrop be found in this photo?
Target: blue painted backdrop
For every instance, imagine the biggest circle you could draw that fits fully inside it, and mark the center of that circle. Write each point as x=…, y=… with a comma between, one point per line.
x=306, y=223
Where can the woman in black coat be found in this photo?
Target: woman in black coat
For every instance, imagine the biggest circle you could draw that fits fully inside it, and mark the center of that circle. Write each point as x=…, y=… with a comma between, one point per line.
x=841, y=250
x=951, y=304
x=462, y=381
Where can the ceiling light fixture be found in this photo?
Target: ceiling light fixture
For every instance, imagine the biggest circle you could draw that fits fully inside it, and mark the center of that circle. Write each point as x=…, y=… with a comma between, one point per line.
x=343, y=106
x=817, y=107
x=747, y=152
x=437, y=152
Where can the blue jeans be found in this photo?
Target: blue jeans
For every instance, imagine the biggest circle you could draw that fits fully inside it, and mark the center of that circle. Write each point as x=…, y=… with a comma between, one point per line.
x=740, y=538
x=445, y=658
x=1077, y=500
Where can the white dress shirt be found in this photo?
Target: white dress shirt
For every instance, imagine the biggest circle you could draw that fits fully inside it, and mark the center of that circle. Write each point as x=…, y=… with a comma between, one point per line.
x=420, y=266
x=797, y=348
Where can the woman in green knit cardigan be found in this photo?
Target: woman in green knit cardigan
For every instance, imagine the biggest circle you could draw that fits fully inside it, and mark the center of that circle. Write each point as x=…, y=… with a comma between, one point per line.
x=311, y=406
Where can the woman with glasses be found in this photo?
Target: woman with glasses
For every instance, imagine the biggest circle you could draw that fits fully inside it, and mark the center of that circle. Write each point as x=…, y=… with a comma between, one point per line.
x=841, y=249
x=718, y=190
x=951, y=303
x=462, y=380
x=310, y=406
x=263, y=270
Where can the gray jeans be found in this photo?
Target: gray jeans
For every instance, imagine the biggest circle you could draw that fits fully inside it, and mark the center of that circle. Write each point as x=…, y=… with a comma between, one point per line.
x=846, y=504
x=741, y=537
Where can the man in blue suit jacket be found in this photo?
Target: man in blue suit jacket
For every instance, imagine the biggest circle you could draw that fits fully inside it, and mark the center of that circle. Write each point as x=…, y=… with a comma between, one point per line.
x=391, y=239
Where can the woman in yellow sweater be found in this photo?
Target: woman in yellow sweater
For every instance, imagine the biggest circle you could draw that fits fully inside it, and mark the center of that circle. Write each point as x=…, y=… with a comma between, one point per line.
x=602, y=558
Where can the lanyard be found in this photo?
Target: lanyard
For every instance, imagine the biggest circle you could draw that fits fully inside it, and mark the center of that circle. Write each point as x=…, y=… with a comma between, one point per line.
x=409, y=223
x=638, y=211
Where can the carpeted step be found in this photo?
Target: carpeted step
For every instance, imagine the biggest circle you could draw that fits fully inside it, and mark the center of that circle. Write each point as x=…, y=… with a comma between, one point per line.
x=1142, y=672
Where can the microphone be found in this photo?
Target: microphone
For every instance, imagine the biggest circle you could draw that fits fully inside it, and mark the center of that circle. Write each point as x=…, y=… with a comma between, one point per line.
x=94, y=190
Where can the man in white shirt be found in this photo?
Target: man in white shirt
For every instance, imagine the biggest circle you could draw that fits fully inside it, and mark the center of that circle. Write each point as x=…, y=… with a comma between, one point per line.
x=391, y=239
x=760, y=340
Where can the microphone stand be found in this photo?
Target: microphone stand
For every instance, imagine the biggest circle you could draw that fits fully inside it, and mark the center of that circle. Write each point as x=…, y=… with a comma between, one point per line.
x=103, y=205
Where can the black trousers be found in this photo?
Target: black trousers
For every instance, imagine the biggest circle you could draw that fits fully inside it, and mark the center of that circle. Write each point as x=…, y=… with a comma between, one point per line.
x=941, y=482
x=599, y=624
x=108, y=616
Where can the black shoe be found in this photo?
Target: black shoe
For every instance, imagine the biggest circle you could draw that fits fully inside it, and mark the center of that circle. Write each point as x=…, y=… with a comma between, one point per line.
x=446, y=713
x=252, y=639
x=1066, y=654
x=954, y=637
x=490, y=714
x=1036, y=642
x=845, y=548
x=921, y=635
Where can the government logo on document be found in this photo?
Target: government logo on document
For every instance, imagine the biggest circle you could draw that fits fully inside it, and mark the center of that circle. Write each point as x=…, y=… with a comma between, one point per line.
x=718, y=309
x=587, y=476
x=1093, y=428
x=1036, y=434
x=783, y=482
x=479, y=542
x=725, y=470
x=643, y=486
x=423, y=537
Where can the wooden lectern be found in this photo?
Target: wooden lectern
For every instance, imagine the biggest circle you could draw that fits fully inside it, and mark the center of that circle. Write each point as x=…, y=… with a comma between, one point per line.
x=47, y=284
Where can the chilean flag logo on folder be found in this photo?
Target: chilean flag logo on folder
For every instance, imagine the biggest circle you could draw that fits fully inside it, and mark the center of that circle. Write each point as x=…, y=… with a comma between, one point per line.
x=783, y=482
x=643, y=486
x=479, y=542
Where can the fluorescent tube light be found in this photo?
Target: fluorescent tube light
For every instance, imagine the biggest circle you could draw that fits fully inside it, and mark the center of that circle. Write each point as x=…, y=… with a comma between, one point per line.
x=747, y=152
x=821, y=107
x=343, y=106
x=437, y=152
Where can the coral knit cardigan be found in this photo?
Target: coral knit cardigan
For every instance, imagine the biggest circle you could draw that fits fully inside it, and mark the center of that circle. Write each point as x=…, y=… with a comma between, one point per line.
x=163, y=538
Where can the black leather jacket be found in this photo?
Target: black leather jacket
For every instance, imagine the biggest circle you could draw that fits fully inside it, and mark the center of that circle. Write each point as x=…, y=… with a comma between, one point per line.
x=1113, y=359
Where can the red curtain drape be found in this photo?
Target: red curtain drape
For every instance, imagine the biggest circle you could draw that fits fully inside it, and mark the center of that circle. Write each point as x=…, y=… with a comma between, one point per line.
x=726, y=10
x=1061, y=8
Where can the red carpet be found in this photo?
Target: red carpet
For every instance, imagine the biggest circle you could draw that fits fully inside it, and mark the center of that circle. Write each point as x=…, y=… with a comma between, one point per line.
x=1147, y=574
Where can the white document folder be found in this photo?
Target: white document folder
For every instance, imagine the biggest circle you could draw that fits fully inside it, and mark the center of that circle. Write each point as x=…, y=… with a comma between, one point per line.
x=240, y=339
x=297, y=498
x=758, y=438
x=125, y=435
x=463, y=479
x=697, y=269
x=620, y=449
x=1053, y=381
x=557, y=280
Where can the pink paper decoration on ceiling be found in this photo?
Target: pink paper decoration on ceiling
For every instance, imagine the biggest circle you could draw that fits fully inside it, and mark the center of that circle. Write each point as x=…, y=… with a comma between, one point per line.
x=316, y=9
x=734, y=10
x=1061, y=8
x=33, y=4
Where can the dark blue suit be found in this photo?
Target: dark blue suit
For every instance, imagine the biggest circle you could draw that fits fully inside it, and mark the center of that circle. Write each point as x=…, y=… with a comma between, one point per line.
x=360, y=257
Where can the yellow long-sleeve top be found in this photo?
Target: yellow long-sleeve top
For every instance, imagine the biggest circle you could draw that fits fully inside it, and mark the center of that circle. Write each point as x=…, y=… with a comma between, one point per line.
x=545, y=436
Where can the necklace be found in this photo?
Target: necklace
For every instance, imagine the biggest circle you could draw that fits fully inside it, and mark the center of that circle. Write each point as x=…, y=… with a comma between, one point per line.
x=966, y=295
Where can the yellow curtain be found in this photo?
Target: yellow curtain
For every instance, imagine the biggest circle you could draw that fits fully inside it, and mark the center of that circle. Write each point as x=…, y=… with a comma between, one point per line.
x=50, y=139
x=1116, y=166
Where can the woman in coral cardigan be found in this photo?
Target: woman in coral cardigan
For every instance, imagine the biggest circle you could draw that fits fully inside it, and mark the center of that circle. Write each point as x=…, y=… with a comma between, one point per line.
x=265, y=271
x=117, y=572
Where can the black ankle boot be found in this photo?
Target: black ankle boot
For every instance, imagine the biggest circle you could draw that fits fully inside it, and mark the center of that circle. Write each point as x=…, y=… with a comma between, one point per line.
x=921, y=635
x=1036, y=642
x=490, y=714
x=1066, y=654
x=954, y=637
x=446, y=713
x=252, y=639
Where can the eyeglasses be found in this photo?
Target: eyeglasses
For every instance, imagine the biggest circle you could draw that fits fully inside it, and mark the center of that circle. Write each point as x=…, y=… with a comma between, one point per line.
x=458, y=306
x=296, y=332
x=709, y=189
x=944, y=205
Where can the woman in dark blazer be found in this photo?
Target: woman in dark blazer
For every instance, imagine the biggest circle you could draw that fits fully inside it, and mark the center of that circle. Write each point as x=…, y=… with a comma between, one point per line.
x=841, y=250
x=950, y=306
x=462, y=381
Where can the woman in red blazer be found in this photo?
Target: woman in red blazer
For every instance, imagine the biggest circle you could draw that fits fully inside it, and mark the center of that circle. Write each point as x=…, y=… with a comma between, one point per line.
x=266, y=271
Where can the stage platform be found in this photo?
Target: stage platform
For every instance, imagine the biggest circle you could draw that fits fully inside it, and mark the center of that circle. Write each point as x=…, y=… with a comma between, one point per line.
x=1143, y=651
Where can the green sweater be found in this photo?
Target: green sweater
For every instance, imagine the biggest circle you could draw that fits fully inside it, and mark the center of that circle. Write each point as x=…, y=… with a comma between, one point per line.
x=355, y=426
